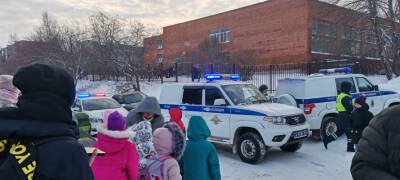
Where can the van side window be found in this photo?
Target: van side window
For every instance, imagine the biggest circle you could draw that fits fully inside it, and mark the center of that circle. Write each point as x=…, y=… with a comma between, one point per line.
x=364, y=85
x=339, y=82
x=192, y=96
x=211, y=95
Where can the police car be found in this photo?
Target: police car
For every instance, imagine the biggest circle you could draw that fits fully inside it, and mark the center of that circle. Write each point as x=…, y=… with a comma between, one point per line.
x=316, y=95
x=238, y=114
x=95, y=105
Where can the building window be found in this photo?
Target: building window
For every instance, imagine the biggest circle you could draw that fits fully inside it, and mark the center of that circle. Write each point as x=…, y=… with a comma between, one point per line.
x=221, y=35
x=323, y=37
x=160, y=58
x=351, y=42
x=371, y=45
x=160, y=44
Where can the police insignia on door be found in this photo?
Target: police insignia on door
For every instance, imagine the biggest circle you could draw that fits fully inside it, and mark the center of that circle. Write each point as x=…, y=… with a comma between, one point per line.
x=216, y=120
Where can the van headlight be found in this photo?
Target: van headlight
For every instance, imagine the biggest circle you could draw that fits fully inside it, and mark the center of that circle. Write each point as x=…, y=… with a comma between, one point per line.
x=278, y=120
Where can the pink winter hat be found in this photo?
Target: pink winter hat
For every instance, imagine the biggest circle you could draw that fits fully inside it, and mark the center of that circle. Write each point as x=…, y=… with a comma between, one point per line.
x=6, y=83
x=8, y=92
x=115, y=121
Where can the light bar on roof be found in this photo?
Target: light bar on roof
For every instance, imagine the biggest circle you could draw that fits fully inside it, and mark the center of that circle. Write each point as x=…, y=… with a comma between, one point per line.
x=100, y=94
x=83, y=95
x=211, y=77
x=345, y=70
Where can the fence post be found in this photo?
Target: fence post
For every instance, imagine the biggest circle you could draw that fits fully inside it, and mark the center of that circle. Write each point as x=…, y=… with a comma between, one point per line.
x=233, y=68
x=149, y=71
x=162, y=73
x=270, y=78
x=212, y=68
x=176, y=72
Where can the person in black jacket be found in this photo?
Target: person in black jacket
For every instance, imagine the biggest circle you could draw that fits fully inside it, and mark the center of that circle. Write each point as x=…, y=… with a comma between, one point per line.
x=36, y=137
x=344, y=106
x=378, y=151
x=360, y=118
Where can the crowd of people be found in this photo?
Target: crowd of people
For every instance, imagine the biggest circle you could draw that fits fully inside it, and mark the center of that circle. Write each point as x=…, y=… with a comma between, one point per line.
x=39, y=139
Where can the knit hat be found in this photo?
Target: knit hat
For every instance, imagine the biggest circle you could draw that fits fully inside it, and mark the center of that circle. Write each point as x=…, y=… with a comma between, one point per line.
x=8, y=92
x=144, y=139
x=361, y=100
x=42, y=78
x=116, y=122
x=178, y=139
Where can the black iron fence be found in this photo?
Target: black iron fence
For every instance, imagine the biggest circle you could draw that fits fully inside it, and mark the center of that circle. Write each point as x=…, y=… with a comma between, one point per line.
x=255, y=74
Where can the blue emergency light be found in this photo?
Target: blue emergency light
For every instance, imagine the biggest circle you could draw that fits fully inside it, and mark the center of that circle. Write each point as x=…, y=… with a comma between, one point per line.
x=235, y=77
x=83, y=95
x=211, y=77
x=345, y=70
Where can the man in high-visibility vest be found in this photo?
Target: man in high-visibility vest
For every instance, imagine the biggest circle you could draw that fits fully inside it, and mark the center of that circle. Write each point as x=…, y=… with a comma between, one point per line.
x=344, y=105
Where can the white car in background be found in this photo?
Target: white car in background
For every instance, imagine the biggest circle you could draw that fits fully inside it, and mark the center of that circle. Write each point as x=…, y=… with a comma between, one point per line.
x=95, y=105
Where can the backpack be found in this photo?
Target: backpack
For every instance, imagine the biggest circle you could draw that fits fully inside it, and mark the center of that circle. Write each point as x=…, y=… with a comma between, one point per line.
x=153, y=168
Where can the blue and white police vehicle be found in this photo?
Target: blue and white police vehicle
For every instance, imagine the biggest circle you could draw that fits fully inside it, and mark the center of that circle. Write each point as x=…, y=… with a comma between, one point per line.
x=238, y=115
x=316, y=96
x=95, y=105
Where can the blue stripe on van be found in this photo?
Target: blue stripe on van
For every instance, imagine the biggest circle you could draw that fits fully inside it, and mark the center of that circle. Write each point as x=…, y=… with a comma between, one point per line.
x=211, y=109
x=333, y=98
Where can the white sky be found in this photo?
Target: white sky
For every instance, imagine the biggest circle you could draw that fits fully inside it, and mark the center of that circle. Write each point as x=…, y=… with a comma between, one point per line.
x=22, y=16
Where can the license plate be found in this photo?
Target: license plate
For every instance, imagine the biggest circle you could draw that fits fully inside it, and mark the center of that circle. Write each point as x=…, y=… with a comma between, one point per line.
x=300, y=134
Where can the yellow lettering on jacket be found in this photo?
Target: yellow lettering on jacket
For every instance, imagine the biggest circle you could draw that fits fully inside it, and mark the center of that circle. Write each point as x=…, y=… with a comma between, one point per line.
x=22, y=158
x=17, y=149
x=30, y=176
x=3, y=145
x=30, y=168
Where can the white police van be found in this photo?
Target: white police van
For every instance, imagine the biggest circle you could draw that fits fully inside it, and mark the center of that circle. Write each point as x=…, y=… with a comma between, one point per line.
x=316, y=95
x=95, y=105
x=238, y=114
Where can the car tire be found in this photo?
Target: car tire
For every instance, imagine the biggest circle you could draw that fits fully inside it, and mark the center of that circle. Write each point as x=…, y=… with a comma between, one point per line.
x=287, y=99
x=251, y=148
x=331, y=125
x=292, y=147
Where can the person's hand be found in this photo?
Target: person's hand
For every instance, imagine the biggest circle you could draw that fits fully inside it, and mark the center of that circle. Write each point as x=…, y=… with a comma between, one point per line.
x=357, y=105
x=93, y=157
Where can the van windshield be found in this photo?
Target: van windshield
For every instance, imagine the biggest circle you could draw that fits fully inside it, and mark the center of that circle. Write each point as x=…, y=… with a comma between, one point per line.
x=242, y=94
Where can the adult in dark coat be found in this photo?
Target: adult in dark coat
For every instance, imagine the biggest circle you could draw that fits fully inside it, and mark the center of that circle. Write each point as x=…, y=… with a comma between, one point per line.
x=360, y=118
x=147, y=110
x=378, y=152
x=42, y=121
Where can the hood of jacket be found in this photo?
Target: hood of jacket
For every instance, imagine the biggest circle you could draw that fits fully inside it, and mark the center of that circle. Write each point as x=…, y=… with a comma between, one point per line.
x=176, y=114
x=110, y=144
x=162, y=140
x=149, y=104
x=198, y=129
x=364, y=107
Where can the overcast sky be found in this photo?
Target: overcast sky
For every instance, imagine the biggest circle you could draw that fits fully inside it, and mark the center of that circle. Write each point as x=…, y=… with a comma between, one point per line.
x=22, y=16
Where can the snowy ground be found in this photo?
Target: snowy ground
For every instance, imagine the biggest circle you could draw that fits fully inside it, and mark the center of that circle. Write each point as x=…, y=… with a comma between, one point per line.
x=309, y=163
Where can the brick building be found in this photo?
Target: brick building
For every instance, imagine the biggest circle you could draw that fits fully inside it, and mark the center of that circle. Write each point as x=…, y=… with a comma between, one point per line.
x=274, y=31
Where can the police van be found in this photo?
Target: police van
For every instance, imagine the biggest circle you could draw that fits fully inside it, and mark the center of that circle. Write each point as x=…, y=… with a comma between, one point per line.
x=238, y=115
x=95, y=105
x=316, y=96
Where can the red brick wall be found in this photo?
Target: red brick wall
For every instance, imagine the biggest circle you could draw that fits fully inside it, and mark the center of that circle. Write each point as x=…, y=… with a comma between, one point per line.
x=276, y=31
x=150, y=49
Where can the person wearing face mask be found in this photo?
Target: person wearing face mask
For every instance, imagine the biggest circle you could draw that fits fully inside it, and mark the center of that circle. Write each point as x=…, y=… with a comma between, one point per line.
x=147, y=110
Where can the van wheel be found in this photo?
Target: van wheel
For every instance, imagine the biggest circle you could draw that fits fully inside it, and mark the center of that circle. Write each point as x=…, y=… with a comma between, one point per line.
x=330, y=126
x=292, y=148
x=251, y=148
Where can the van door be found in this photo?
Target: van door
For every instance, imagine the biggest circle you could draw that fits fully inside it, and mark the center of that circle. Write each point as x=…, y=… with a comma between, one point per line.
x=217, y=116
x=192, y=103
x=374, y=99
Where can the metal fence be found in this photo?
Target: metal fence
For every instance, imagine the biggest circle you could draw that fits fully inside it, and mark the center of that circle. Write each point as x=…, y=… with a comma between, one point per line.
x=255, y=74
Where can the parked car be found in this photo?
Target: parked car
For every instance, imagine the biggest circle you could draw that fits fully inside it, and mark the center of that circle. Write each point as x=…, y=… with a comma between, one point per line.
x=130, y=100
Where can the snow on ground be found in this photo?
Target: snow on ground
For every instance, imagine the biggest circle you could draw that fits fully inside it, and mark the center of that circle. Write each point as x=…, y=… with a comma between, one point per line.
x=311, y=162
x=393, y=85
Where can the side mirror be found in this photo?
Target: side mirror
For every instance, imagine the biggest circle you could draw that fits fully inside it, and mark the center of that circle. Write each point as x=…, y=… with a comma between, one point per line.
x=76, y=109
x=376, y=87
x=219, y=102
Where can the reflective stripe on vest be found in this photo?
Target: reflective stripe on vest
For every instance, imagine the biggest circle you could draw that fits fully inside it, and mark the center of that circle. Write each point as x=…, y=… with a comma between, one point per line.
x=339, y=104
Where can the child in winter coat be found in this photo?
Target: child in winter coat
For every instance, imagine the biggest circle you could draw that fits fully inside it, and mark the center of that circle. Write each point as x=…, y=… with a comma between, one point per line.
x=8, y=93
x=121, y=159
x=176, y=117
x=200, y=159
x=359, y=119
x=169, y=142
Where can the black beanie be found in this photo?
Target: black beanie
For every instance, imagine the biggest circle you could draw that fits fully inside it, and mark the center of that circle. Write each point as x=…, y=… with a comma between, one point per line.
x=39, y=78
x=346, y=87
